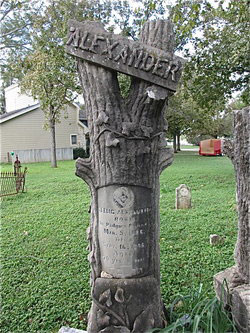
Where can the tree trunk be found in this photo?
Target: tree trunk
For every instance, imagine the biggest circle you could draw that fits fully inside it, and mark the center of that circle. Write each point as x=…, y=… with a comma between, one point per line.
x=238, y=151
x=3, y=100
x=52, y=127
x=127, y=154
x=236, y=291
x=175, y=143
x=178, y=142
x=242, y=169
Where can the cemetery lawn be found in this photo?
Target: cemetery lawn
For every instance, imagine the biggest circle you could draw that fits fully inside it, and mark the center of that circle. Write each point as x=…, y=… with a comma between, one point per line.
x=45, y=273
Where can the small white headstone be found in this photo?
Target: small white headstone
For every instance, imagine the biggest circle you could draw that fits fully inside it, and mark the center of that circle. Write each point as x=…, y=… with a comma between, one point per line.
x=183, y=197
x=215, y=239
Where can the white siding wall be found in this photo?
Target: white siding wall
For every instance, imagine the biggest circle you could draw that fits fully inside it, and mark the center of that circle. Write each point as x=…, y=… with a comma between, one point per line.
x=26, y=132
x=15, y=100
x=82, y=131
x=41, y=155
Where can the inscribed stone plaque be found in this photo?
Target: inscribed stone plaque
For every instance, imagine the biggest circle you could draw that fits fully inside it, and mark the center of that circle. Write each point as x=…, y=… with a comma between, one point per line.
x=124, y=220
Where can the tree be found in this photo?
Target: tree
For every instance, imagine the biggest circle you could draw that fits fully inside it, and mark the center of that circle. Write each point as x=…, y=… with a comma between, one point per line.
x=47, y=72
x=237, y=103
x=130, y=20
x=176, y=118
x=16, y=18
x=219, y=64
x=215, y=69
x=209, y=78
x=219, y=126
x=183, y=116
x=51, y=84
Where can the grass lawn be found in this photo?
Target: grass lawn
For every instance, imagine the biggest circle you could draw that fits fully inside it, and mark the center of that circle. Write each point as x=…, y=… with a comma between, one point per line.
x=45, y=273
x=189, y=147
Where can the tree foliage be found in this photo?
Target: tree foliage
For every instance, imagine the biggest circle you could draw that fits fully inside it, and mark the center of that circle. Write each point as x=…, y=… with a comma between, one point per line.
x=212, y=35
x=47, y=72
x=186, y=117
x=219, y=63
x=214, y=39
x=130, y=19
x=16, y=18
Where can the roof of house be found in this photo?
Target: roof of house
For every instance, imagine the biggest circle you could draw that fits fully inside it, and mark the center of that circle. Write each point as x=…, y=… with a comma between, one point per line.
x=82, y=114
x=16, y=113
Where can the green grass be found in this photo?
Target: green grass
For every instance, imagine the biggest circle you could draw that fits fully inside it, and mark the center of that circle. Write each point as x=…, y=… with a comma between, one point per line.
x=187, y=258
x=189, y=147
x=45, y=273
x=195, y=313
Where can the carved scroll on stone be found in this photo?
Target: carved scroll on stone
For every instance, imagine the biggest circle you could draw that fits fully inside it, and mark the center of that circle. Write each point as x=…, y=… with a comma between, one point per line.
x=128, y=152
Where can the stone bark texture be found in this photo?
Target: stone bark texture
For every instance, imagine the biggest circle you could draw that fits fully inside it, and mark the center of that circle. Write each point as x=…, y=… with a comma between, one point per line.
x=238, y=277
x=128, y=150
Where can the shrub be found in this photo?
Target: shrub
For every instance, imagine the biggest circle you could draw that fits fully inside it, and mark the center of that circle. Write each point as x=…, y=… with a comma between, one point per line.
x=80, y=152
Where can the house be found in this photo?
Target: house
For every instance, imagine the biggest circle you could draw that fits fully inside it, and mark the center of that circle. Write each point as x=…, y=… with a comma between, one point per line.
x=83, y=131
x=22, y=129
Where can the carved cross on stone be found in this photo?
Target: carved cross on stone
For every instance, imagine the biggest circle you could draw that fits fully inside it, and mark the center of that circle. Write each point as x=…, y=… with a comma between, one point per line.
x=127, y=154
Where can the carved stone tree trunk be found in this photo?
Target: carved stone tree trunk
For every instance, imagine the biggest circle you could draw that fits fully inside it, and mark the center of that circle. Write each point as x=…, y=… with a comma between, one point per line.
x=128, y=153
x=238, y=276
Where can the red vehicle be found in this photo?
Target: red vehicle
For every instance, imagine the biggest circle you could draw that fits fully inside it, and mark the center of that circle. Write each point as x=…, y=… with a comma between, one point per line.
x=210, y=147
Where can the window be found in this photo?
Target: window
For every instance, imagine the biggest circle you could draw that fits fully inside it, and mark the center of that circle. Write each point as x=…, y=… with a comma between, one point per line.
x=73, y=139
x=84, y=122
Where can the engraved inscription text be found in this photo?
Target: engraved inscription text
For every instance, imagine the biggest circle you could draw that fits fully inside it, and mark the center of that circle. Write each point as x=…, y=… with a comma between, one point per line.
x=123, y=229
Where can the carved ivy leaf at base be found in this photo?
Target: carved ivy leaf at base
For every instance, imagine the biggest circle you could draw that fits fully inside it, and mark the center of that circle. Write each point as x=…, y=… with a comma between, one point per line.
x=119, y=295
x=102, y=318
x=115, y=329
x=105, y=298
x=144, y=321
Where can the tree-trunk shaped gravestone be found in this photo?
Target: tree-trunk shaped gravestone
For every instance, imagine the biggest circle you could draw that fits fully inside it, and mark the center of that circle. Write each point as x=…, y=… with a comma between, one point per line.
x=237, y=290
x=128, y=152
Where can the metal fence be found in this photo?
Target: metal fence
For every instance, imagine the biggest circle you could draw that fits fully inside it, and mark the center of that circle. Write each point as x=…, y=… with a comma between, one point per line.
x=12, y=182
